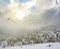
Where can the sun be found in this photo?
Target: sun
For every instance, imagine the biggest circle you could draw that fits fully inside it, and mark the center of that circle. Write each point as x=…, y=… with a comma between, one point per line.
x=20, y=14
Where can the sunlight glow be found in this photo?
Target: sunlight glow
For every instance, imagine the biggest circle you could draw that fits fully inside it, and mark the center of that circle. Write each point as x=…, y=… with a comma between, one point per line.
x=20, y=14
x=18, y=10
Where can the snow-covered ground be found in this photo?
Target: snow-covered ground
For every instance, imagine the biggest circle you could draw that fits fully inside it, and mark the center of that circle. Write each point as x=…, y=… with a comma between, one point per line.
x=36, y=46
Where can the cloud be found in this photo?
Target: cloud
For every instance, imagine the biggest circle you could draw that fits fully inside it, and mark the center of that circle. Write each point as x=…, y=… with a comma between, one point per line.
x=49, y=16
x=47, y=11
x=37, y=17
x=44, y=4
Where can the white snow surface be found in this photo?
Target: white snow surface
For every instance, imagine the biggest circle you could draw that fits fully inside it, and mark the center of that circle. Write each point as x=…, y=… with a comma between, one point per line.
x=36, y=46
